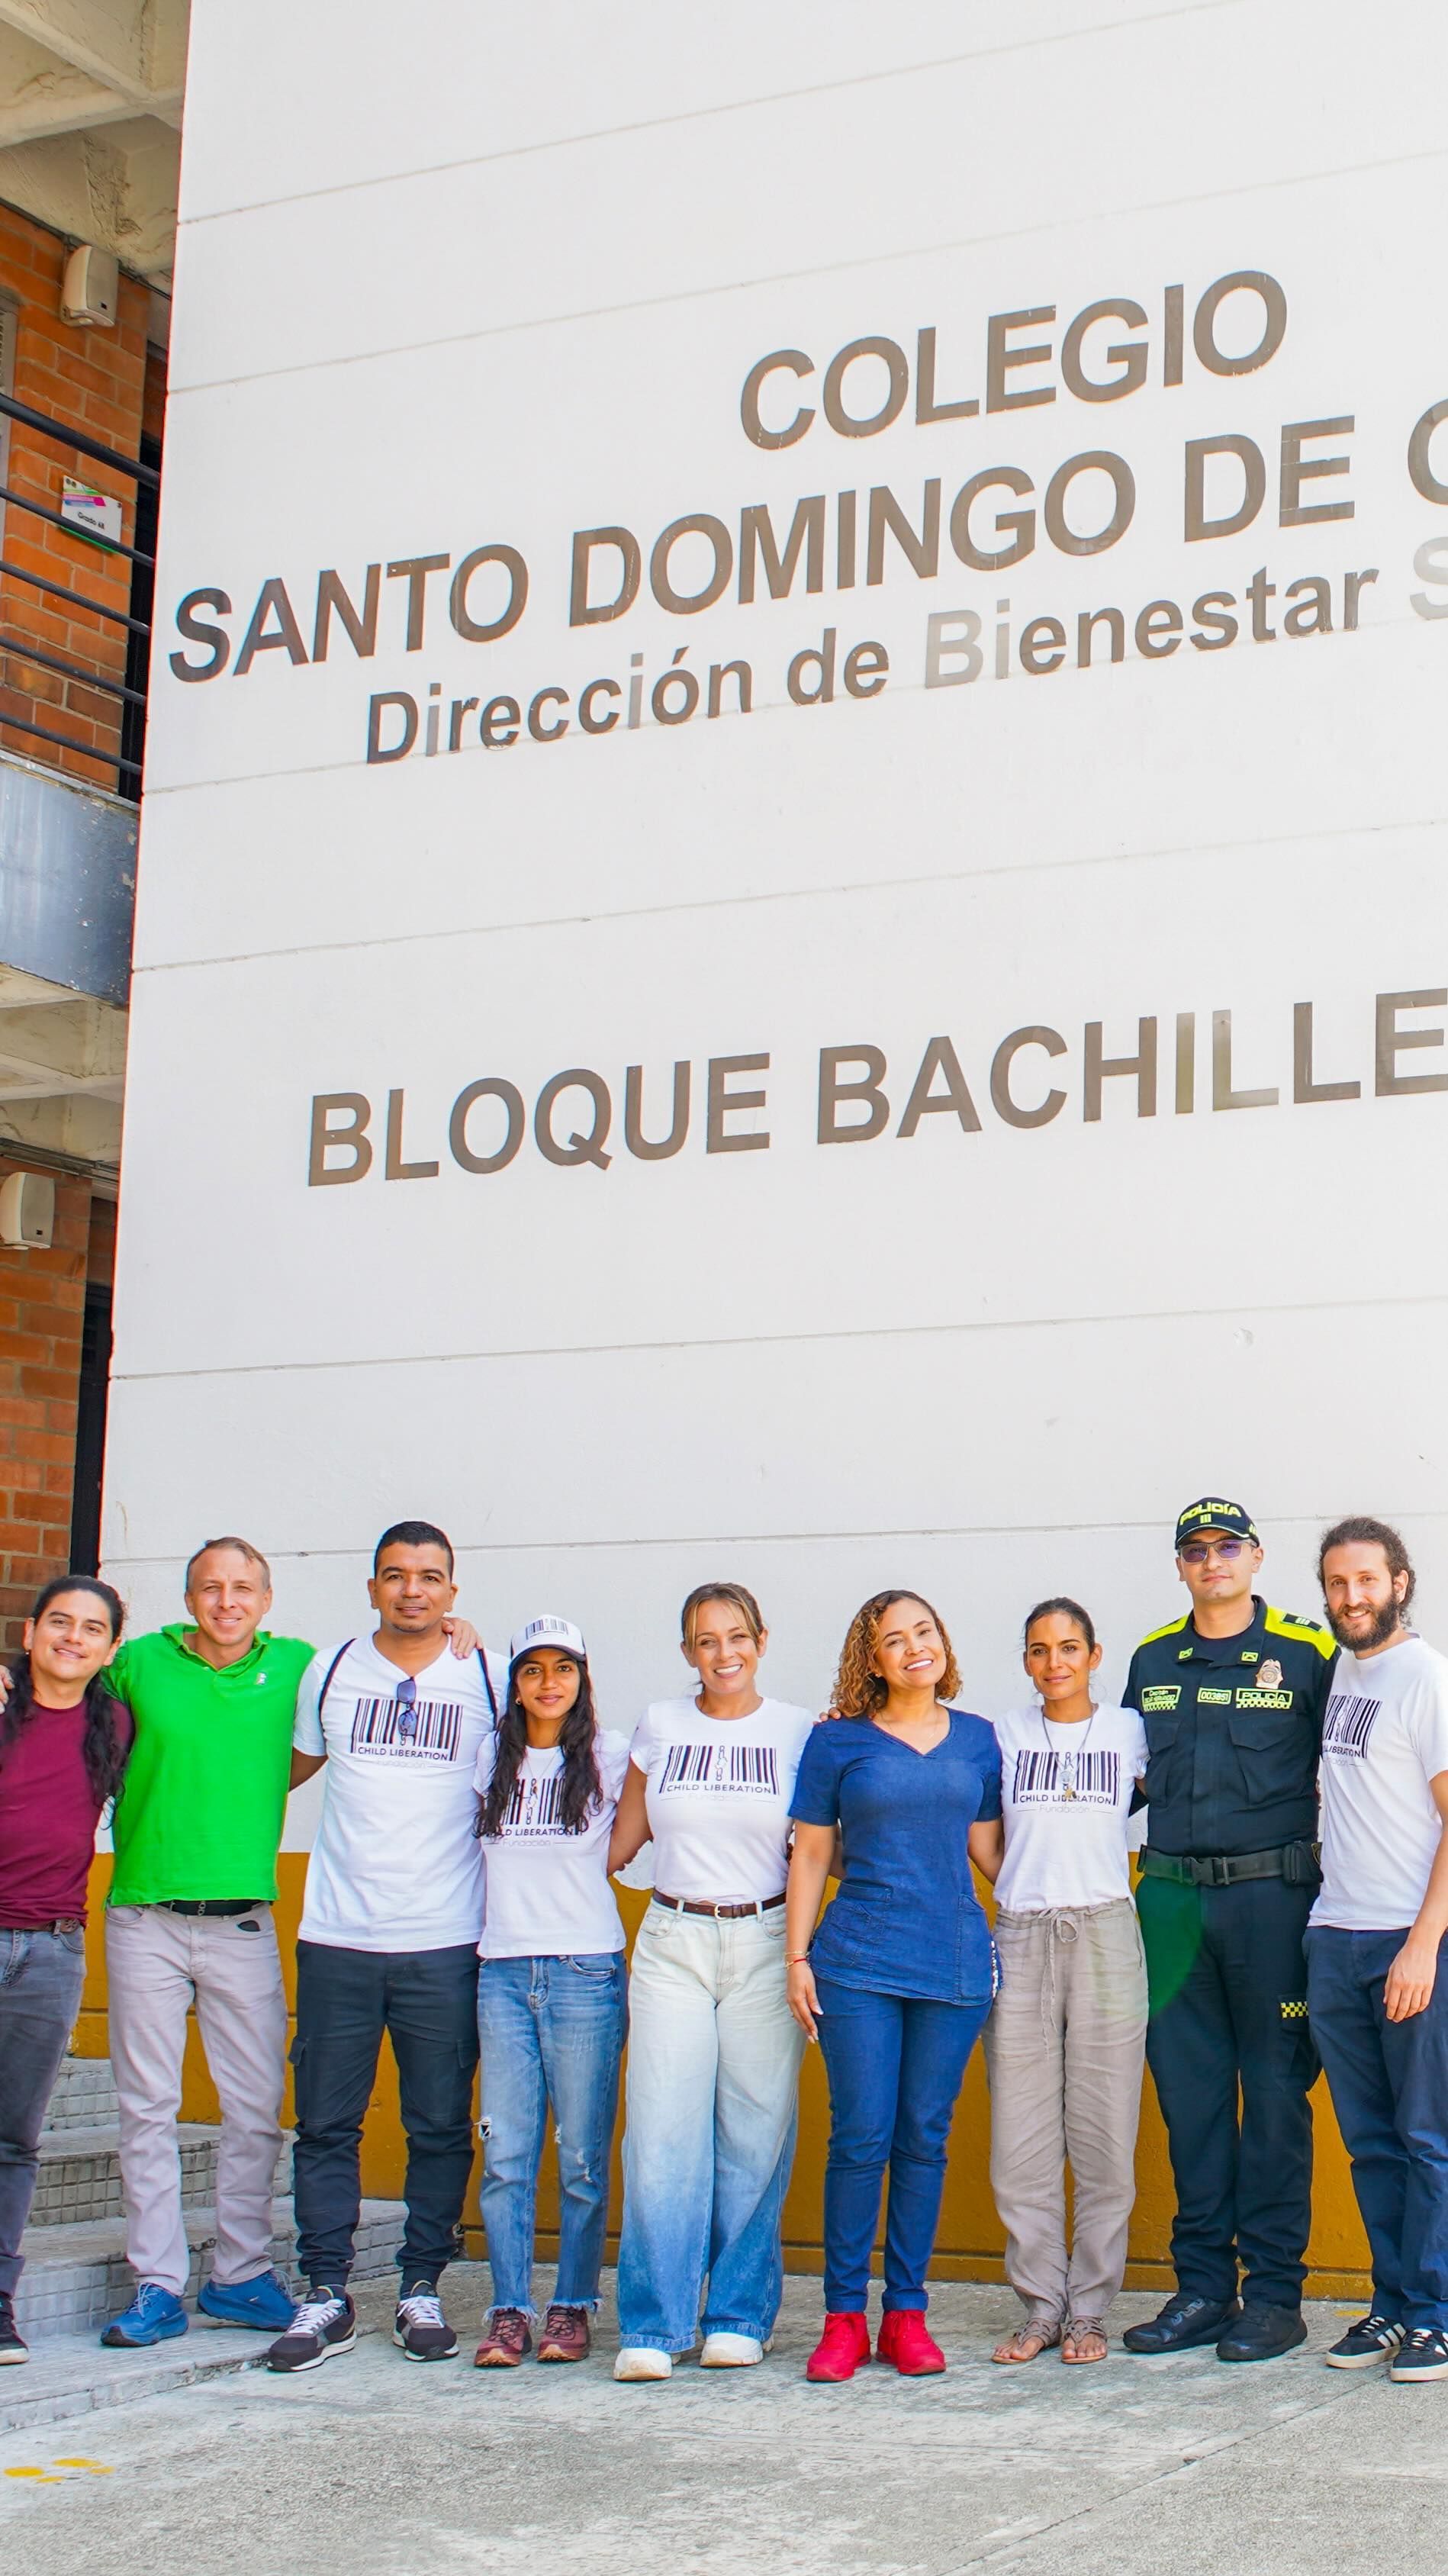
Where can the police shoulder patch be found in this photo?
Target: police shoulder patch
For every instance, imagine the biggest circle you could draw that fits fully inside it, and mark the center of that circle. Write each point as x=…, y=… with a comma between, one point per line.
x=1307, y=1632
x=1172, y=1628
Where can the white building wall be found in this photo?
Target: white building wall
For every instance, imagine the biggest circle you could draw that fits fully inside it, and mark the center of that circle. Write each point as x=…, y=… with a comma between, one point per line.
x=482, y=278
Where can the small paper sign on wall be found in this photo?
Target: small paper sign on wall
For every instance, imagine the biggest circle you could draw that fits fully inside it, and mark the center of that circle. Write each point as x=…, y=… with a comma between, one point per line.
x=93, y=514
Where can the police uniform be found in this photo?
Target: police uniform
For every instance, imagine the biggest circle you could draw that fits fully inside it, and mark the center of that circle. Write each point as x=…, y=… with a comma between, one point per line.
x=1234, y=1732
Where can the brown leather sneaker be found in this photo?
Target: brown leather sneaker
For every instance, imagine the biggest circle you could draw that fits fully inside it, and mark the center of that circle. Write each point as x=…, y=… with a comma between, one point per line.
x=565, y=2335
x=504, y=2342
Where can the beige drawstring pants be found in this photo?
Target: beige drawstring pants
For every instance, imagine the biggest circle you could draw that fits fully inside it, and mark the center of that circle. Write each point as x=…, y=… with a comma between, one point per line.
x=1064, y=2047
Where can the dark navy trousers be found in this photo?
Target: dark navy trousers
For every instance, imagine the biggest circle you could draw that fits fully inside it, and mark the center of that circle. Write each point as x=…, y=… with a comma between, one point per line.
x=1231, y=2055
x=426, y=2001
x=1389, y=2083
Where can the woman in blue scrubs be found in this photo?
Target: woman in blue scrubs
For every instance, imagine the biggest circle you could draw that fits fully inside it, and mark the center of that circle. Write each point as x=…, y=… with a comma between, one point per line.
x=897, y=1981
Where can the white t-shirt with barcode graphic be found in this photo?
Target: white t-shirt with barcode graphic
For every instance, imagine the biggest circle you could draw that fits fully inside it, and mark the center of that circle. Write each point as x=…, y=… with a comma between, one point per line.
x=546, y=1892
x=719, y=1795
x=396, y=1864
x=1384, y=1737
x=1065, y=1797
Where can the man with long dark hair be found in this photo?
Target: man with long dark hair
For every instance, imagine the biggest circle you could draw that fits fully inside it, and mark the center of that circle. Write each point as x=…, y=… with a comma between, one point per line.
x=1376, y=1985
x=63, y=1746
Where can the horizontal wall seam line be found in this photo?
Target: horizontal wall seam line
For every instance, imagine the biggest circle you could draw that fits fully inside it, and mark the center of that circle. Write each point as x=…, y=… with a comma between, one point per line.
x=857, y=266
x=1279, y=842
x=720, y=108
x=901, y=1530
x=781, y=1341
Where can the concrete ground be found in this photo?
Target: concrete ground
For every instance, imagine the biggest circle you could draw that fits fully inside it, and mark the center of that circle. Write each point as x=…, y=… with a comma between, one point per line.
x=372, y=2463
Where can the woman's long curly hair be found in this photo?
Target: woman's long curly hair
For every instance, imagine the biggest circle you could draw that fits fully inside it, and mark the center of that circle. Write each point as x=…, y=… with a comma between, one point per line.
x=102, y=1750
x=859, y=1690
x=582, y=1789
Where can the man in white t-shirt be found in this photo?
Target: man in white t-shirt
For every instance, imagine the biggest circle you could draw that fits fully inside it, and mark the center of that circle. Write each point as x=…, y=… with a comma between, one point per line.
x=1377, y=1986
x=388, y=1939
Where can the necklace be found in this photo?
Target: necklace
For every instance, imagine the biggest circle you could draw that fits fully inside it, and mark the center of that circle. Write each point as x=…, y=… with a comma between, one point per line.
x=1068, y=1756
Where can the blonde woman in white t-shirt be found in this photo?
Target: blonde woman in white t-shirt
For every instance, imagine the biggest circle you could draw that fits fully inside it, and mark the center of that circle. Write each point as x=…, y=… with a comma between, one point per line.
x=714, y=2050
x=1067, y=2034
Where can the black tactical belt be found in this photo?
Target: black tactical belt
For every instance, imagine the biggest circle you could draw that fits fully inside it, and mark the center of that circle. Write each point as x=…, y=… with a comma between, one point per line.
x=1221, y=1869
x=212, y=1904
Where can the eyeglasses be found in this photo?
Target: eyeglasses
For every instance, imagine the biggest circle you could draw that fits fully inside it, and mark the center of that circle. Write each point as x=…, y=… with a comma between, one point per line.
x=1197, y=1551
x=404, y=1701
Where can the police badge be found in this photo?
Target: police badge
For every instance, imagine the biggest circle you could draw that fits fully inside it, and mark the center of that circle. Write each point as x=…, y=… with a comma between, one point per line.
x=1269, y=1675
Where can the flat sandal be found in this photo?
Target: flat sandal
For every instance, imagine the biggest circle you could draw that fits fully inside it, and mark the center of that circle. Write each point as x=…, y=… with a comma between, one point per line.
x=1033, y=2331
x=1075, y=2331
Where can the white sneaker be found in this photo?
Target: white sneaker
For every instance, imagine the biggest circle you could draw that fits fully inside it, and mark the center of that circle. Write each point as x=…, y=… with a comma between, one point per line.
x=730, y=2352
x=640, y=2361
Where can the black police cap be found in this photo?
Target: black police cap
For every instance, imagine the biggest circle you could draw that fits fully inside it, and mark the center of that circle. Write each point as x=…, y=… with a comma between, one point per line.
x=1211, y=1513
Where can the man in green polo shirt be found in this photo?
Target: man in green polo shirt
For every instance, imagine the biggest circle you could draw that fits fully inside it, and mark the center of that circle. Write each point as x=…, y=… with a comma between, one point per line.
x=188, y=1921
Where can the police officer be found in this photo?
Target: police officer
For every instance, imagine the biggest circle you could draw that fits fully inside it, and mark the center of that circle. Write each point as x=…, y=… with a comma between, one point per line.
x=1232, y=1697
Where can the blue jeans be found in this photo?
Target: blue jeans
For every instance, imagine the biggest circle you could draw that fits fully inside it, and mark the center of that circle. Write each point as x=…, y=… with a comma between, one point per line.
x=41, y=1976
x=552, y=2032
x=713, y=2071
x=1389, y=2083
x=896, y=2064
x=427, y=2003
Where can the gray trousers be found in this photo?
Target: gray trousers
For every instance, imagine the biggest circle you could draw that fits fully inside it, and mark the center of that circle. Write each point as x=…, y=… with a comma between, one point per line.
x=41, y=1976
x=1064, y=2048
x=159, y=1966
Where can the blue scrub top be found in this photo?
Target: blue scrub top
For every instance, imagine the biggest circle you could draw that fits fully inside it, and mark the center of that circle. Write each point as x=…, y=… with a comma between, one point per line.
x=907, y=1920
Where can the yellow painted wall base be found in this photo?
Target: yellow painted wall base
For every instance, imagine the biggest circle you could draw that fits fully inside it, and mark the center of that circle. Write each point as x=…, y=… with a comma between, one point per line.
x=970, y=2243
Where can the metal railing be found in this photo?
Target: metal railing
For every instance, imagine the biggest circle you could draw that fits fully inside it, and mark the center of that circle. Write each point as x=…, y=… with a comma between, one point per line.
x=130, y=693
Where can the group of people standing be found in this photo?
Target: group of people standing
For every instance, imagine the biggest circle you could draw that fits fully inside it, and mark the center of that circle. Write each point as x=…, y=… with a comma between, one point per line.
x=474, y=1808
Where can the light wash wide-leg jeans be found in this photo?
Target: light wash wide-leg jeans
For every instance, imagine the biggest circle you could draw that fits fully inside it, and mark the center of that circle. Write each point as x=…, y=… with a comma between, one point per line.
x=713, y=2074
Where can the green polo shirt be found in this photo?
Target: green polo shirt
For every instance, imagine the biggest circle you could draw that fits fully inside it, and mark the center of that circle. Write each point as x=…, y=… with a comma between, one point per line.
x=201, y=1806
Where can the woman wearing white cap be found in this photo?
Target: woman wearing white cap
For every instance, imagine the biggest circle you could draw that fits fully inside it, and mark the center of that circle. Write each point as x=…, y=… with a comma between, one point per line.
x=714, y=2053
x=552, y=1989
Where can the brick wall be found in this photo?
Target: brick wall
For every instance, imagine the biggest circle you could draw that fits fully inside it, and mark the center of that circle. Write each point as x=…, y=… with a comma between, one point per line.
x=96, y=380
x=42, y=1302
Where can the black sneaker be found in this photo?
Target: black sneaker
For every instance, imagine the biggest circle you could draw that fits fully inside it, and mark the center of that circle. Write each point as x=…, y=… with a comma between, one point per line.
x=324, y=2325
x=420, y=2326
x=13, y=2346
x=1422, y=2354
x=1373, y=2338
x=1262, y=2333
x=1183, y=2324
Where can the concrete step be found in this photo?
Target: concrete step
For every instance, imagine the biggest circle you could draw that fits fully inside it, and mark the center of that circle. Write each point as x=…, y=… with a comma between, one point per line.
x=80, y=2173
x=77, y=2277
x=84, y=2096
x=72, y=2374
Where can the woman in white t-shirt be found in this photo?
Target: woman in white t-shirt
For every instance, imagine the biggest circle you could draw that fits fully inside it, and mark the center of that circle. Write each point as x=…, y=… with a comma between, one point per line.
x=1067, y=2034
x=714, y=2050
x=552, y=1989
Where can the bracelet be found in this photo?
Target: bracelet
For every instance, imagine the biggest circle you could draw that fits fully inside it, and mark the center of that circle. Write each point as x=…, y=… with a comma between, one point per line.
x=800, y=1959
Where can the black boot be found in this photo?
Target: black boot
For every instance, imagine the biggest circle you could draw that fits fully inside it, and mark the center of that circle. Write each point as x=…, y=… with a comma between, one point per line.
x=1183, y=2323
x=1262, y=2333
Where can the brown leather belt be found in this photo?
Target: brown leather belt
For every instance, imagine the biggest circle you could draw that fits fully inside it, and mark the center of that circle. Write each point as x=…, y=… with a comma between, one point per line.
x=720, y=1913
x=57, y=1923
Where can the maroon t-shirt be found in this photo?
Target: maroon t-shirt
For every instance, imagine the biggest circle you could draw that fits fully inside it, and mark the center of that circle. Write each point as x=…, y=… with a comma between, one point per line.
x=48, y=1817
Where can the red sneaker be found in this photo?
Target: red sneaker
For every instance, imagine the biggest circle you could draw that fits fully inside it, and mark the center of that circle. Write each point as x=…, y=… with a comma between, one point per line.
x=842, y=2347
x=906, y=2340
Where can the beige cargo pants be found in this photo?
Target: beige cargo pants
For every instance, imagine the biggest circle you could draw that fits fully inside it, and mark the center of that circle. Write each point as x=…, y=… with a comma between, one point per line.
x=1064, y=2047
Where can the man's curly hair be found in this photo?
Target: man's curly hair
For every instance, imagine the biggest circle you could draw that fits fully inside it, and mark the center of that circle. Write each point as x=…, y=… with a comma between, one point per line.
x=859, y=1690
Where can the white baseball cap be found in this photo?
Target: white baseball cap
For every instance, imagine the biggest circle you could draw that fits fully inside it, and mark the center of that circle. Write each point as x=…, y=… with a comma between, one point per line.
x=547, y=1631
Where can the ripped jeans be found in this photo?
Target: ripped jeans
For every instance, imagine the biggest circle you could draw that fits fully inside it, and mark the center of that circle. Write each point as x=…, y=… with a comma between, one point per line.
x=552, y=2033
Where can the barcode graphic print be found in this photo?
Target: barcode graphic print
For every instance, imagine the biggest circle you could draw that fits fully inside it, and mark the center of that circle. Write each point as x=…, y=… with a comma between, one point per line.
x=429, y=1726
x=1347, y=1726
x=1038, y=1775
x=536, y=1804
x=721, y=1766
